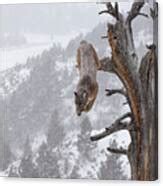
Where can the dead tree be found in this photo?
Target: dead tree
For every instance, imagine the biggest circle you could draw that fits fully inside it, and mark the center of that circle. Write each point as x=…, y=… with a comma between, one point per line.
x=140, y=90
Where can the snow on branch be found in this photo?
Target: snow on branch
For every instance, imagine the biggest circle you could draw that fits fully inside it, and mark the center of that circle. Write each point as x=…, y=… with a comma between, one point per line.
x=115, y=127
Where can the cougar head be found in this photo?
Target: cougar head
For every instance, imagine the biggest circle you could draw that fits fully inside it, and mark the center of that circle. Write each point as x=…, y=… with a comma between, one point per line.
x=81, y=98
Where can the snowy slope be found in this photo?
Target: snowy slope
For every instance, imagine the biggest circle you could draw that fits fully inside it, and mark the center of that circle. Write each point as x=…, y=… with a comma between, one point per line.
x=39, y=95
x=10, y=80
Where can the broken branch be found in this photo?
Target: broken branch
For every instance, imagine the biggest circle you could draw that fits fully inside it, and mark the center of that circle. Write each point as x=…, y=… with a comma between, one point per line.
x=103, y=11
x=110, y=92
x=104, y=37
x=113, y=11
x=127, y=115
x=154, y=11
x=143, y=14
x=151, y=47
x=135, y=10
x=107, y=65
x=118, y=151
x=116, y=126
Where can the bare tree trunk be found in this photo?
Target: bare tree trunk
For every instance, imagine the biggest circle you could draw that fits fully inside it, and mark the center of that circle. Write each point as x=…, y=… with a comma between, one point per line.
x=140, y=91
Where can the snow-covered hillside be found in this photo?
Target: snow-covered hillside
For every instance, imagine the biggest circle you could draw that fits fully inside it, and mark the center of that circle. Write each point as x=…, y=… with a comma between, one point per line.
x=43, y=135
x=10, y=80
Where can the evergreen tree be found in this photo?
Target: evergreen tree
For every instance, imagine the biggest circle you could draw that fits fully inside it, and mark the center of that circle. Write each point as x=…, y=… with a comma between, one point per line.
x=75, y=172
x=55, y=132
x=5, y=151
x=1, y=144
x=86, y=150
x=48, y=153
x=8, y=156
x=112, y=167
x=27, y=168
x=84, y=144
x=47, y=162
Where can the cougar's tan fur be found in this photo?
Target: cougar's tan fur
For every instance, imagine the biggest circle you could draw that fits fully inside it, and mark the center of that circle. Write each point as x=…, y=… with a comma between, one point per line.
x=87, y=88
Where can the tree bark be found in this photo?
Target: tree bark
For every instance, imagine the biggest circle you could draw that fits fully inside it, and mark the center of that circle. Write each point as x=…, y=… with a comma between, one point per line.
x=141, y=90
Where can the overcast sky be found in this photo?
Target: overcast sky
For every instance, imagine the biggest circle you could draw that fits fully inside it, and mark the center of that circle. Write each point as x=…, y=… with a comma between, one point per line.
x=53, y=18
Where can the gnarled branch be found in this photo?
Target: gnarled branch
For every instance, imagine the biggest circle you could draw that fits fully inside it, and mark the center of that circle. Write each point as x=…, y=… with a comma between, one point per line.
x=113, y=11
x=103, y=12
x=110, y=92
x=146, y=65
x=104, y=37
x=107, y=65
x=143, y=14
x=118, y=151
x=141, y=88
x=154, y=11
x=135, y=10
x=116, y=126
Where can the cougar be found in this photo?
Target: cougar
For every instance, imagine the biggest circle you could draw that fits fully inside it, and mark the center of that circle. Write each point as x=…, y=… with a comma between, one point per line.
x=87, y=87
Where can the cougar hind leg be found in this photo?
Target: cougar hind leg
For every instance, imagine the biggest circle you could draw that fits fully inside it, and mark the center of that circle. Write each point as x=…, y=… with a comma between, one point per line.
x=98, y=64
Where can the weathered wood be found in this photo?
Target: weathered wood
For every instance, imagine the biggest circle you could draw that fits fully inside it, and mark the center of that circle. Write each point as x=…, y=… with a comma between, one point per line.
x=107, y=65
x=110, y=92
x=118, y=151
x=147, y=75
x=116, y=126
x=114, y=11
x=141, y=87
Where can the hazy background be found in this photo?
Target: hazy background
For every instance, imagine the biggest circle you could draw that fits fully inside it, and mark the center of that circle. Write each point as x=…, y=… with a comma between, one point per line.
x=41, y=136
x=34, y=27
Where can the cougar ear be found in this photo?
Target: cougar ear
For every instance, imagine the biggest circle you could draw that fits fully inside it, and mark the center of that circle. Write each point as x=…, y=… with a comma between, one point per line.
x=75, y=93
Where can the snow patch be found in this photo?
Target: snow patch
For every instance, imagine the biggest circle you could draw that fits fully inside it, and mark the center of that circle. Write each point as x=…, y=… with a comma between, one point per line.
x=24, y=74
x=38, y=141
x=13, y=166
x=96, y=132
x=11, y=80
